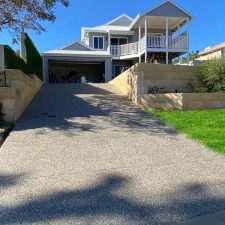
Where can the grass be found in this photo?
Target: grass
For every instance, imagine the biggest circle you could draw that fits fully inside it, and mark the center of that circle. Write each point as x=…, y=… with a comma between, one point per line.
x=205, y=126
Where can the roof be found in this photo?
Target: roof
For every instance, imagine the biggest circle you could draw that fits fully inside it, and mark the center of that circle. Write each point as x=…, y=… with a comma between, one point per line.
x=172, y=3
x=123, y=19
x=77, y=45
x=60, y=52
x=120, y=23
x=105, y=28
x=212, y=49
x=124, y=23
x=141, y=15
x=77, y=48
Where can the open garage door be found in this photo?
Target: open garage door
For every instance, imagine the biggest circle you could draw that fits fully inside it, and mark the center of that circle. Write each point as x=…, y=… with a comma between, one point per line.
x=76, y=71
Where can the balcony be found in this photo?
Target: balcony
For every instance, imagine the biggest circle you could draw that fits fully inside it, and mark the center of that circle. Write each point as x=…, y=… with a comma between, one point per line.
x=151, y=44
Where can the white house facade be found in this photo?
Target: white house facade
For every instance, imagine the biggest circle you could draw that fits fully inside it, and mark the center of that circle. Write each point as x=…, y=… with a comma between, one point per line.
x=156, y=36
x=212, y=52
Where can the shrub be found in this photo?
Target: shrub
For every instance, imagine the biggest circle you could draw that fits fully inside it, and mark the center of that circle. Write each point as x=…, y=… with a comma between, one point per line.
x=33, y=64
x=13, y=61
x=212, y=75
x=162, y=90
x=200, y=90
x=33, y=58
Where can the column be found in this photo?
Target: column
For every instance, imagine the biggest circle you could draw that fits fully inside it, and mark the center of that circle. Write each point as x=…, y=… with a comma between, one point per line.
x=109, y=42
x=108, y=70
x=45, y=69
x=178, y=33
x=146, y=27
x=140, y=42
x=188, y=40
x=167, y=40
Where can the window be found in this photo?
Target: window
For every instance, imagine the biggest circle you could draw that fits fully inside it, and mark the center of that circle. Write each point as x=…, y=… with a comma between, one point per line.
x=98, y=42
x=119, y=41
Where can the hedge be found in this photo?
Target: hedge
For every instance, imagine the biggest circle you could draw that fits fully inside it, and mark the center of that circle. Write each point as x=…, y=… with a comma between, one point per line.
x=33, y=64
x=33, y=58
x=13, y=61
x=212, y=74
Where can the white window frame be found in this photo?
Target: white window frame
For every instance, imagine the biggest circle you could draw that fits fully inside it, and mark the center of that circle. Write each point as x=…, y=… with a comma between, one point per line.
x=119, y=38
x=98, y=42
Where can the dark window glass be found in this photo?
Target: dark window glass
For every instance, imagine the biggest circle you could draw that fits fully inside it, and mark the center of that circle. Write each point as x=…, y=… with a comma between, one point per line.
x=95, y=42
x=114, y=41
x=122, y=41
x=100, y=42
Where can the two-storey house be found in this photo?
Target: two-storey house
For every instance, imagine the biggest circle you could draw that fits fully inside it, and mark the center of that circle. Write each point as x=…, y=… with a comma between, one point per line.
x=156, y=36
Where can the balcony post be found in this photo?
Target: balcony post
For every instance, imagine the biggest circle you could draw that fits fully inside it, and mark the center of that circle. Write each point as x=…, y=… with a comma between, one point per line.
x=146, y=53
x=178, y=31
x=109, y=42
x=139, y=48
x=167, y=40
x=188, y=40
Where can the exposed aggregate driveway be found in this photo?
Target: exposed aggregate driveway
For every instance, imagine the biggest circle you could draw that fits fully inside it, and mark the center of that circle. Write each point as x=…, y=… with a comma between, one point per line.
x=84, y=154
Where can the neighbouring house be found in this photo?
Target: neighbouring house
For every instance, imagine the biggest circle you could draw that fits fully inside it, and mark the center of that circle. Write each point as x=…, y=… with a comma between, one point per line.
x=158, y=35
x=212, y=52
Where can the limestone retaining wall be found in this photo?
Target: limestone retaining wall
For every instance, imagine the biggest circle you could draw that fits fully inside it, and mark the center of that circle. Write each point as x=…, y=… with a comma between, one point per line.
x=183, y=101
x=136, y=81
x=18, y=94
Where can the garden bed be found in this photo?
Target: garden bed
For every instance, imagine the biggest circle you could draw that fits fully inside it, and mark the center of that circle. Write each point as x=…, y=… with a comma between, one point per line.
x=183, y=101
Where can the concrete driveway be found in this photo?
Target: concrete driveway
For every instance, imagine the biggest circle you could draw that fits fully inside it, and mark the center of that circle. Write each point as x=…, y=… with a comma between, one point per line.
x=83, y=155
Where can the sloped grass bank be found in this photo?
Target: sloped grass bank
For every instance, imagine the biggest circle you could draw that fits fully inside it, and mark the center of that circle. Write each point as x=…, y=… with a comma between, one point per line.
x=205, y=126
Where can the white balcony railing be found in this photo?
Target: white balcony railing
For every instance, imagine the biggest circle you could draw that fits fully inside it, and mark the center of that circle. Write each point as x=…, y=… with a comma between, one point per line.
x=156, y=41
x=142, y=44
x=115, y=50
x=129, y=49
x=179, y=42
x=153, y=42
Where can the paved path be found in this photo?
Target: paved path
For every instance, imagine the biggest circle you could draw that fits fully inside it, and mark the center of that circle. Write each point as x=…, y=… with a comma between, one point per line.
x=97, y=159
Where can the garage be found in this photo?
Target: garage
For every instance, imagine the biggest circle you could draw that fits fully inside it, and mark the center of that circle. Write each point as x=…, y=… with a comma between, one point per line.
x=76, y=72
x=77, y=63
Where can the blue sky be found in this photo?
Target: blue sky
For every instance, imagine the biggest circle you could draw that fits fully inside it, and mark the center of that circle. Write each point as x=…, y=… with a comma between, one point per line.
x=208, y=27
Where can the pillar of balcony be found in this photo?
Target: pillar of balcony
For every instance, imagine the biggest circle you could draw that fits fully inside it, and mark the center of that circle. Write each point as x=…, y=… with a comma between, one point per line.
x=139, y=42
x=109, y=42
x=146, y=52
x=167, y=40
x=188, y=40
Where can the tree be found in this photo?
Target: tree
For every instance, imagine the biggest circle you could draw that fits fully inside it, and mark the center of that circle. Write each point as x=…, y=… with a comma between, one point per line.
x=17, y=15
x=212, y=74
x=192, y=56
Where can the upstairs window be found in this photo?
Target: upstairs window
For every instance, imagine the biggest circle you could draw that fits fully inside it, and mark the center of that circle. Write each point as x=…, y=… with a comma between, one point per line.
x=119, y=41
x=98, y=43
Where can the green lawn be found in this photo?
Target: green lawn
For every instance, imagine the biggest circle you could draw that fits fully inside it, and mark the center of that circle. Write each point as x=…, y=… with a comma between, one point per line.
x=206, y=126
